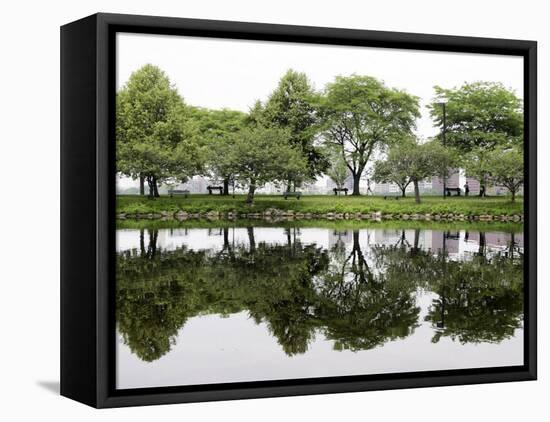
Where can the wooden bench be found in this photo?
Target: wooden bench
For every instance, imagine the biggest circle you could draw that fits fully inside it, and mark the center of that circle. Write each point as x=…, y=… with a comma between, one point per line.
x=449, y=190
x=395, y=196
x=296, y=194
x=336, y=190
x=211, y=188
x=173, y=192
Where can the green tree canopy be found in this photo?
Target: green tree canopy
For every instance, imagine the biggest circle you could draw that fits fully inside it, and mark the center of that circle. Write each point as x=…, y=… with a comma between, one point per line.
x=396, y=168
x=411, y=162
x=216, y=130
x=506, y=168
x=479, y=118
x=479, y=115
x=291, y=106
x=360, y=115
x=261, y=155
x=155, y=139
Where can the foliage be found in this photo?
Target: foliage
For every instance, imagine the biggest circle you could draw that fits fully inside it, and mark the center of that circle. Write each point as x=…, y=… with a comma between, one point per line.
x=216, y=129
x=358, y=301
x=478, y=301
x=396, y=167
x=260, y=155
x=359, y=307
x=360, y=115
x=476, y=164
x=291, y=106
x=157, y=293
x=506, y=169
x=479, y=115
x=409, y=162
x=155, y=138
x=479, y=118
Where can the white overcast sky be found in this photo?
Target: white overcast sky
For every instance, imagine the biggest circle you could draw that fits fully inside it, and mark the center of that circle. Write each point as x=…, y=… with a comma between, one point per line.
x=216, y=73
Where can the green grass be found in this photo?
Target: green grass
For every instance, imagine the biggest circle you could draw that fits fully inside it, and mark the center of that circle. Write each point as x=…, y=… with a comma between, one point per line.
x=321, y=204
x=336, y=225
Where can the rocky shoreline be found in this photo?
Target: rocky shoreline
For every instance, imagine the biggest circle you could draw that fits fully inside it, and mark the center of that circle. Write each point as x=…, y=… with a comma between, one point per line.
x=275, y=214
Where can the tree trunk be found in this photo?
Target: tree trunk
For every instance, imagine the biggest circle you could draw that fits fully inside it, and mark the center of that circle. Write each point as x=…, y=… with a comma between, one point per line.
x=356, y=245
x=150, y=185
x=251, y=240
x=142, y=185
x=416, y=192
x=226, y=186
x=482, y=189
x=288, y=186
x=513, y=192
x=359, y=265
x=155, y=187
x=142, y=242
x=403, y=192
x=152, y=246
x=250, y=195
x=226, y=238
x=356, y=179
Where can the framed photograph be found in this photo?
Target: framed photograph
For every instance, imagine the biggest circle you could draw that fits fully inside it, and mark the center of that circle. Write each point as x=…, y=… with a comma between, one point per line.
x=255, y=210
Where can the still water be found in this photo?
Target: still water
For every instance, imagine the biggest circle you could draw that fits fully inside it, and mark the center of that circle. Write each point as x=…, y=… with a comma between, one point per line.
x=230, y=304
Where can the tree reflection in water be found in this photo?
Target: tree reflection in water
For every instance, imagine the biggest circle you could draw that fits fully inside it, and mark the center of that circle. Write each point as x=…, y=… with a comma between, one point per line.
x=358, y=296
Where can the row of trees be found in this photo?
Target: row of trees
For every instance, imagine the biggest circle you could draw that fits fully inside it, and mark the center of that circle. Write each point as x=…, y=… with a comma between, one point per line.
x=298, y=134
x=483, y=134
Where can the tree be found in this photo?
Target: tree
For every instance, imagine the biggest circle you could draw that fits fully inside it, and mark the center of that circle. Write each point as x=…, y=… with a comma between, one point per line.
x=480, y=117
x=410, y=162
x=155, y=139
x=291, y=106
x=430, y=159
x=506, y=169
x=261, y=155
x=216, y=128
x=360, y=114
x=477, y=165
x=396, y=168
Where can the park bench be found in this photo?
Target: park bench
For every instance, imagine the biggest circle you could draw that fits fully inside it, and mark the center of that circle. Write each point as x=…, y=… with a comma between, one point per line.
x=336, y=190
x=211, y=188
x=449, y=190
x=296, y=194
x=173, y=192
x=395, y=196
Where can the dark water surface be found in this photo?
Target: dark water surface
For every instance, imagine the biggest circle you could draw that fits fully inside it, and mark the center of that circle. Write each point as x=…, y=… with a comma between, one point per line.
x=230, y=304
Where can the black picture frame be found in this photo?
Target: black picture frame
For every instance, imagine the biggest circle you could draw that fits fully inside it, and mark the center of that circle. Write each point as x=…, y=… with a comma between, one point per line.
x=88, y=208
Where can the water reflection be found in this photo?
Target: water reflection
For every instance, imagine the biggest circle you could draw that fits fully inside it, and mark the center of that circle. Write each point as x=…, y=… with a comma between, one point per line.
x=359, y=289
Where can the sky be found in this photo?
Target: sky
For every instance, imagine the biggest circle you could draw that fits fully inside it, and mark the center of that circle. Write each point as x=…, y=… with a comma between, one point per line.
x=222, y=73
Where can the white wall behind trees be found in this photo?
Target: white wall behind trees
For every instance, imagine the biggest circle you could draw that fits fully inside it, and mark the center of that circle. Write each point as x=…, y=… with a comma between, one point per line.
x=29, y=107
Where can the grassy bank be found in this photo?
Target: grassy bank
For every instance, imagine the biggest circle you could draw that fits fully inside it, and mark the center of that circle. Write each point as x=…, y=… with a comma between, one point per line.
x=320, y=204
x=336, y=225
